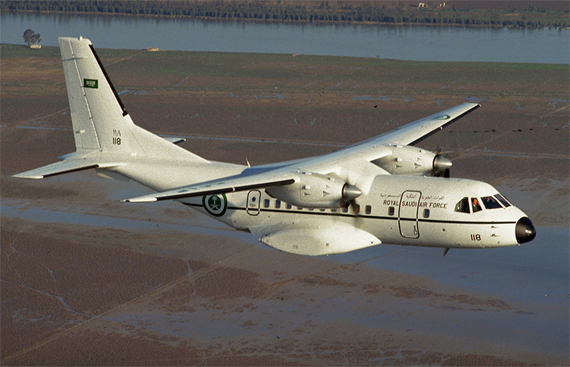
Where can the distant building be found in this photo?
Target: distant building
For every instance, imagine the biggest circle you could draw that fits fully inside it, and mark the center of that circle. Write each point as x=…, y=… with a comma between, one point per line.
x=36, y=46
x=422, y=5
x=152, y=49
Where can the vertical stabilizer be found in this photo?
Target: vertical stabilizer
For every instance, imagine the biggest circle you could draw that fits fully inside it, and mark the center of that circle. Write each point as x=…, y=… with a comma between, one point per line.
x=76, y=61
x=100, y=120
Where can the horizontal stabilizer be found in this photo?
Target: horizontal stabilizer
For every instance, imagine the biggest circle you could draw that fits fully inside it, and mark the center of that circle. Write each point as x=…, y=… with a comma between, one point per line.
x=66, y=166
x=175, y=140
x=328, y=239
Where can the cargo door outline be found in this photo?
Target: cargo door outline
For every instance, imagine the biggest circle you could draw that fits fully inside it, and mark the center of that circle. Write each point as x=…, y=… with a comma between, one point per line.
x=408, y=214
x=253, y=202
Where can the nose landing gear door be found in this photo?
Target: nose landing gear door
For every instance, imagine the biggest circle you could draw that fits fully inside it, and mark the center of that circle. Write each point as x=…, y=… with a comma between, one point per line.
x=408, y=216
x=253, y=199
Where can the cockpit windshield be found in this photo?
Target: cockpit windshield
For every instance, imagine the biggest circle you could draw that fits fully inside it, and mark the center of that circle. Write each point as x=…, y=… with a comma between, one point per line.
x=490, y=202
x=502, y=200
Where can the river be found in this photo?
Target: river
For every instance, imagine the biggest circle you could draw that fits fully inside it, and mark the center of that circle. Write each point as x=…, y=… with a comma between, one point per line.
x=417, y=43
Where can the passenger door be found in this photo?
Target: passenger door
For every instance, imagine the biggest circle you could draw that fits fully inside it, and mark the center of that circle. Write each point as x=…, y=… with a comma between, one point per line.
x=253, y=202
x=408, y=215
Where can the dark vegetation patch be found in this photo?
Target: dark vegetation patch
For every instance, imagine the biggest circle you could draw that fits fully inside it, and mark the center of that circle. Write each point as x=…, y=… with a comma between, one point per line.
x=513, y=14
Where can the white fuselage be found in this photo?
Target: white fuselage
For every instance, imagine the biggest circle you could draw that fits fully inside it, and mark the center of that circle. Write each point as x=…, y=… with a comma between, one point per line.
x=404, y=210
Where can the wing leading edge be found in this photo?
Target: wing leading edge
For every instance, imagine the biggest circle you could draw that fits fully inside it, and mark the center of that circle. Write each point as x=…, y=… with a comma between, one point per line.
x=221, y=186
x=415, y=132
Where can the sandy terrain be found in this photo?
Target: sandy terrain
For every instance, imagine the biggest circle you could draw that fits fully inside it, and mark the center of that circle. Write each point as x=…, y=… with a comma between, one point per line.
x=89, y=280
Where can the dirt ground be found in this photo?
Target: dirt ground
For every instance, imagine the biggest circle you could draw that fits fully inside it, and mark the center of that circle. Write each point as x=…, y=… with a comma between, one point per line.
x=89, y=280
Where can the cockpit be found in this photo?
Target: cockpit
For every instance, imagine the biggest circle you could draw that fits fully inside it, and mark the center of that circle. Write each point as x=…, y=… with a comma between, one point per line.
x=475, y=204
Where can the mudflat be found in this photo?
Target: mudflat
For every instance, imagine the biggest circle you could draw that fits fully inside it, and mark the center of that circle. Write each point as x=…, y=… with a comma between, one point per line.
x=89, y=280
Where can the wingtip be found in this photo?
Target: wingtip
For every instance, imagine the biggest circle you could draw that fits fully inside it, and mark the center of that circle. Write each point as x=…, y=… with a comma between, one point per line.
x=142, y=199
x=32, y=177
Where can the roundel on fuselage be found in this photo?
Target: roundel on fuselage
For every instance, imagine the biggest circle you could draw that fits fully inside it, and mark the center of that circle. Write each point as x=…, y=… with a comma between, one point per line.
x=216, y=205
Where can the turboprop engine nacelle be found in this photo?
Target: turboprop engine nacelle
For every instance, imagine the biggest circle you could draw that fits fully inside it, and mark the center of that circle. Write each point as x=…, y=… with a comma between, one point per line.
x=408, y=160
x=314, y=190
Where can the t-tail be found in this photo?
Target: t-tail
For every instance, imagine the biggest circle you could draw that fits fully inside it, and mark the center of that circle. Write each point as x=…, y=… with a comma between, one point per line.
x=105, y=135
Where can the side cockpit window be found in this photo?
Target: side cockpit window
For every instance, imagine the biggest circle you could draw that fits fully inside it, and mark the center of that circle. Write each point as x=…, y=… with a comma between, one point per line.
x=462, y=206
x=490, y=202
x=502, y=200
x=475, y=205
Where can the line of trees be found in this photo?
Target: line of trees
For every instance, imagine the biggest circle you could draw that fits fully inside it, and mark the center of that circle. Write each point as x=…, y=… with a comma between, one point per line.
x=306, y=11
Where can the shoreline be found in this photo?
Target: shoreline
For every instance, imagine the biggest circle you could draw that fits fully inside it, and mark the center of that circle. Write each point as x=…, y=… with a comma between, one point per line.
x=300, y=22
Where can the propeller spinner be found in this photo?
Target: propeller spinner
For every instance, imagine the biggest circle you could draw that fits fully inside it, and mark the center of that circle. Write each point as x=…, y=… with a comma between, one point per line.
x=441, y=166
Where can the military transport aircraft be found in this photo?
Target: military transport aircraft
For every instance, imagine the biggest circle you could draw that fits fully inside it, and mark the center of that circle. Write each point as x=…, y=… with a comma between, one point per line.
x=381, y=190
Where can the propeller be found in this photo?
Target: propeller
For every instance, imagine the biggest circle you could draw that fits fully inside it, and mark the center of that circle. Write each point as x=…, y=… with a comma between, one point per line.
x=441, y=163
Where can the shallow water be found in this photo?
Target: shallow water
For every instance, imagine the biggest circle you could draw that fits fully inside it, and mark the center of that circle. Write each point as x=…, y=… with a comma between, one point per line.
x=418, y=43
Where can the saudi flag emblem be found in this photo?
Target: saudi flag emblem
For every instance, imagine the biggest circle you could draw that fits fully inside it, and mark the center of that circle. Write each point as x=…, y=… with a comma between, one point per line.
x=91, y=83
x=216, y=205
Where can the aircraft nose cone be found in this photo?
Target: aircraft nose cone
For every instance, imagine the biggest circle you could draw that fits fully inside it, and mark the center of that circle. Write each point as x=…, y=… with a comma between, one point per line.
x=524, y=230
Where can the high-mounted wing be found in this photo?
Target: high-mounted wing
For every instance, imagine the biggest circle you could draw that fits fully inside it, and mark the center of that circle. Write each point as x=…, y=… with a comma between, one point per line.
x=355, y=165
x=419, y=130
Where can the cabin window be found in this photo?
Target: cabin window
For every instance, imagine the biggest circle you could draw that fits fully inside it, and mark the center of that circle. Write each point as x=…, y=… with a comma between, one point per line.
x=462, y=206
x=391, y=211
x=322, y=210
x=476, y=205
x=266, y=203
x=491, y=203
x=333, y=210
x=299, y=208
x=426, y=213
x=345, y=209
x=368, y=209
x=502, y=200
x=277, y=204
x=289, y=206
